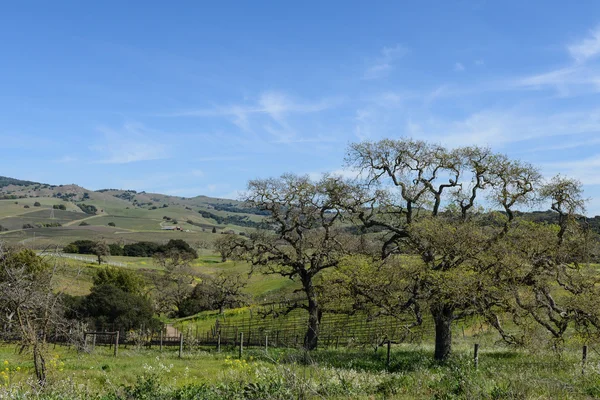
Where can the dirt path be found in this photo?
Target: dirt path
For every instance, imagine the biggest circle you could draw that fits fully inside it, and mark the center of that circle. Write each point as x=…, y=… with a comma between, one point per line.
x=84, y=219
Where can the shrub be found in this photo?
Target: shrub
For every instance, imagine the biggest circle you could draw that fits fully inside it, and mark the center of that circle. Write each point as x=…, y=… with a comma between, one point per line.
x=37, y=204
x=71, y=248
x=87, y=208
x=111, y=224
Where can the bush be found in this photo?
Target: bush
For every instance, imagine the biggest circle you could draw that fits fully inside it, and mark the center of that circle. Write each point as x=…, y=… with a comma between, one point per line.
x=111, y=224
x=28, y=226
x=82, y=246
x=83, y=223
x=37, y=204
x=115, y=249
x=26, y=206
x=71, y=248
x=88, y=209
x=108, y=304
x=59, y=207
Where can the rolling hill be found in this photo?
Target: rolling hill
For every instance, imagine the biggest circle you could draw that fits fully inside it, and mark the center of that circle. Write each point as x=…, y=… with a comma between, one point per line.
x=44, y=215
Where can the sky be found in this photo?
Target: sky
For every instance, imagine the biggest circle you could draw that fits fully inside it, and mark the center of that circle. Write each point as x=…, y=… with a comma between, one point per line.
x=196, y=98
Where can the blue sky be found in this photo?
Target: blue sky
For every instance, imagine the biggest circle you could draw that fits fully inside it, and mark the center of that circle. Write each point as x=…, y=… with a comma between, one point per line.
x=190, y=98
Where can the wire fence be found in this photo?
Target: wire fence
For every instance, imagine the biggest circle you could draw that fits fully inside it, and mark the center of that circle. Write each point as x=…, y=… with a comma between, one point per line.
x=82, y=258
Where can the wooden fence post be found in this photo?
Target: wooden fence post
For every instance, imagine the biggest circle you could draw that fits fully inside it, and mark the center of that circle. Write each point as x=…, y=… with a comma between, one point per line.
x=241, y=344
x=180, y=344
x=161, y=339
x=94, y=342
x=116, y=344
x=583, y=359
x=266, y=343
x=389, y=350
x=476, y=355
x=219, y=343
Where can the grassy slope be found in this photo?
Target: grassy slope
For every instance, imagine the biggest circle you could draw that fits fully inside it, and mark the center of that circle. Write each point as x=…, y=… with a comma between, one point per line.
x=134, y=222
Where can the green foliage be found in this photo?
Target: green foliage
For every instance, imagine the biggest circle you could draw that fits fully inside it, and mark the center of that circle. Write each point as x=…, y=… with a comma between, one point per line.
x=141, y=249
x=149, y=249
x=126, y=195
x=33, y=264
x=126, y=280
x=59, y=207
x=83, y=247
x=112, y=224
x=71, y=248
x=109, y=305
x=115, y=249
x=88, y=209
x=5, y=181
x=37, y=204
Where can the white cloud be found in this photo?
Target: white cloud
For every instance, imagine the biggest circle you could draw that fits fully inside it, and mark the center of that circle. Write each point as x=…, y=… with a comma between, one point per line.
x=383, y=65
x=479, y=63
x=502, y=127
x=579, y=77
x=198, y=173
x=458, y=67
x=130, y=143
x=276, y=105
x=587, y=48
x=586, y=170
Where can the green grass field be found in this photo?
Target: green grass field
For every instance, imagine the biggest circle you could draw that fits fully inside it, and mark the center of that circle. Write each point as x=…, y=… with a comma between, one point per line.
x=324, y=373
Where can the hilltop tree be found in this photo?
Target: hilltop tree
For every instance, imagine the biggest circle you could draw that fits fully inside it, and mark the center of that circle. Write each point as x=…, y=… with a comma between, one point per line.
x=304, y=240
x=456, y=260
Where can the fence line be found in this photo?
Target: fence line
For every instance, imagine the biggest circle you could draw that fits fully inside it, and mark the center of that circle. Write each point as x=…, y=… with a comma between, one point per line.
x=81, y=258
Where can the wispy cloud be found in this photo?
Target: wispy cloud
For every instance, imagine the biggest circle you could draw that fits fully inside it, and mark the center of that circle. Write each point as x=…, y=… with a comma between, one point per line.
x=502, y=127
x=459, y=67
x=276, y=105
x=587, y=48
x=579, y=76
x=586, y=170
x=130, y=143
x=384, y=64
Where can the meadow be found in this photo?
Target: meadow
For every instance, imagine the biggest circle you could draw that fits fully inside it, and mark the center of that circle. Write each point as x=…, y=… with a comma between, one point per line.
x=204, y=373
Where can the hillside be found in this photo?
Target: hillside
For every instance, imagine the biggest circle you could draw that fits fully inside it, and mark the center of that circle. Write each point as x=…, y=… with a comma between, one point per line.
x=45, y=215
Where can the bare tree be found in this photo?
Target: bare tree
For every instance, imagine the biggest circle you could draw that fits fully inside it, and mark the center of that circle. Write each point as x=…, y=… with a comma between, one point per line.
x=32, y=309
x=174, y=284
x=304, y=240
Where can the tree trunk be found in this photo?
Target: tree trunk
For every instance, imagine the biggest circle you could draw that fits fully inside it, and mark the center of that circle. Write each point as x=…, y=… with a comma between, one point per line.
x=314, y=315
x=443, y=315
x=314, y=319
x=39, y=364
